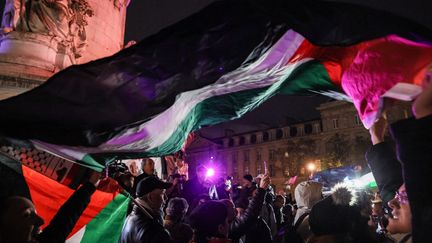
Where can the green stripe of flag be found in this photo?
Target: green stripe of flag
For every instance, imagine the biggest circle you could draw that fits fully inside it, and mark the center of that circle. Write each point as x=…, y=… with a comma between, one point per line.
x=310, y=75
x=107, y=225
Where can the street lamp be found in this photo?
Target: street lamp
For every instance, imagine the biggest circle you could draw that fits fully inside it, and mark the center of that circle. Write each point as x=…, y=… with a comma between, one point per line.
x=311, y=167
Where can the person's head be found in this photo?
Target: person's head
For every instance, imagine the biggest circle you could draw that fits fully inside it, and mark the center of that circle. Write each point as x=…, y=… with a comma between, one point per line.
x=307, y=193
x=400, y=222
x=177, y=208
x=125, y=179
x=148, y=166
x=152, y=190
x=201, y=172
x=279, y=201
x=377, y=205
x=19, y=221
x=334, y=215
x=231, y=210
x=210, y=220
x=247, y=180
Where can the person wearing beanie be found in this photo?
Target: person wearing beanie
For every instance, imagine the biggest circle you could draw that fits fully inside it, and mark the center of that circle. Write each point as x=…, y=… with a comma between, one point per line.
x=173, y=222
x=336, y=219
x=144, y=223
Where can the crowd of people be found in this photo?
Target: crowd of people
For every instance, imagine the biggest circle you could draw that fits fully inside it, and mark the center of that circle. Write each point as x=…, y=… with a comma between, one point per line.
x=200, y=210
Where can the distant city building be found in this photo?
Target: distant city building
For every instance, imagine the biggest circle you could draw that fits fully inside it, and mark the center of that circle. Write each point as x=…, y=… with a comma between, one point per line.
x=337, y=138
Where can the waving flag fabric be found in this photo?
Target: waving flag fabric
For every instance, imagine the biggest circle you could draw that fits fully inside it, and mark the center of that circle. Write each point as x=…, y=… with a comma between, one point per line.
x=292, y=66
x=212, y=67
x=101, y=221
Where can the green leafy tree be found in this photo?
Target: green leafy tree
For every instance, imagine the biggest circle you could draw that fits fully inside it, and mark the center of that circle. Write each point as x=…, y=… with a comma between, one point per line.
x=299, y=152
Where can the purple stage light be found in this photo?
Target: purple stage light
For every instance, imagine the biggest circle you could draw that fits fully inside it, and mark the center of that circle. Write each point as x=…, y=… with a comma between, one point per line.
x=210, y=172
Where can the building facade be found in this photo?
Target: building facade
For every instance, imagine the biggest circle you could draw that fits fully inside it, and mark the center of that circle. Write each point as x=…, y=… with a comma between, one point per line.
x=337, y=138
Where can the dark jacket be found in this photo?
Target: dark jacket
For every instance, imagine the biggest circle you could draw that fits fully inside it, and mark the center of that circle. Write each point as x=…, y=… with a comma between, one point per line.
x=140, y=228
x=245, y=222
x=67, y=216
x=192, y=189
x=386, y=169
x=414, y=147
x=259, y=232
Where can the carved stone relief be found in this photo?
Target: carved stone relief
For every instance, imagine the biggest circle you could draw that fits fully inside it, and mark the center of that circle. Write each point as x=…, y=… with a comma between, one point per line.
x=120, y=3
x=64, y=20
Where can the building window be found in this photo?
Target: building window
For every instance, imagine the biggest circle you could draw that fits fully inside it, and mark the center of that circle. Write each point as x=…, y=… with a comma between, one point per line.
x=356, y=120
x=246, y=169
x=279, y=134
x=258, y=168
x=253, y=138
x=246, y=155
x=272, y=154
x=242, y=140
x=234, y=157
x=271, y=170
x=258, y=155
x=335, y=123
x=293, y=131
x=230, y=142
x=308, y=128
x=265, y=136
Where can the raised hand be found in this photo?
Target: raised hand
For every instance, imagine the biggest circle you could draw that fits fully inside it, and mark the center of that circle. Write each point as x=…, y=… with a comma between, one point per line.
x=378, y=130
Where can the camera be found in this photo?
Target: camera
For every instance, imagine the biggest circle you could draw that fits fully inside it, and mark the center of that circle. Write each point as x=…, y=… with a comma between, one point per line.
x=116, y=168
x=181, y=178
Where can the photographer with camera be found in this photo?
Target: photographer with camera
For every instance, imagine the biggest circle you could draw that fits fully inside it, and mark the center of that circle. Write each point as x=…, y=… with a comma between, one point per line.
x=178, y=182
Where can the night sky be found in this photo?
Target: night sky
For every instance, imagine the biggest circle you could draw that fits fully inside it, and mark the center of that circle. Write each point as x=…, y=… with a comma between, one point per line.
x=146, y=17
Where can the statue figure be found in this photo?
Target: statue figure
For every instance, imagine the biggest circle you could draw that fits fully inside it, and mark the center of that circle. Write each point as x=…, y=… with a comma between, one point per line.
x=12, y=12
x=80, y=9
x=65, y=20
x=49, y=17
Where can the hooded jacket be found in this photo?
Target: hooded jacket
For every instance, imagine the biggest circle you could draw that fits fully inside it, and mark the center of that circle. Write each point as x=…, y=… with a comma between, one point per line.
x=306, y=194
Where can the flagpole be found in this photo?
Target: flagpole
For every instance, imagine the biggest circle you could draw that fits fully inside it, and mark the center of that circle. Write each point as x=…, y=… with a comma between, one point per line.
x=144, y=210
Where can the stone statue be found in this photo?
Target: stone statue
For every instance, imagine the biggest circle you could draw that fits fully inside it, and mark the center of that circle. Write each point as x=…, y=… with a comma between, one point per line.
x=49, y=17
x=65, y=20
x=78, y=21
x=12, y=12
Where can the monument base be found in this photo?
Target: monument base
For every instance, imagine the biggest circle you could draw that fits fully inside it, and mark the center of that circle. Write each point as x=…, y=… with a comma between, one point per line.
x=28, y=59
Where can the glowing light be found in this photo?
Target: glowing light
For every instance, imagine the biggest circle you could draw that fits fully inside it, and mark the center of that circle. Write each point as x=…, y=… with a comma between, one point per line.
x=210, y=172
x=311, y=166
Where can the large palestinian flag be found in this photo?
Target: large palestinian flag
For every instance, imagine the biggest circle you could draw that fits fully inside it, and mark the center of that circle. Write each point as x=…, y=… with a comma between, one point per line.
x=215, y=66
x=293, y=65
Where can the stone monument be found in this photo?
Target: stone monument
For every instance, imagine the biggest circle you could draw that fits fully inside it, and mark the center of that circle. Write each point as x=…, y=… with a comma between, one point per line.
x=41, y=37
